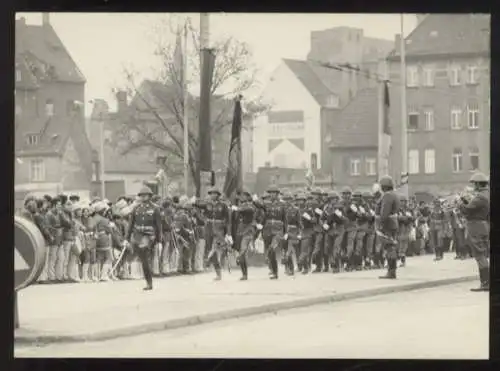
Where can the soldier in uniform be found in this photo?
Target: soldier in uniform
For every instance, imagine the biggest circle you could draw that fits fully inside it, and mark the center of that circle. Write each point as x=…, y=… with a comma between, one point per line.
x=144, y=231
x=167, y=214
x=184, y=235
x=308, y=221
x=274, y=228
x=361, y=229
x=370, y=232
x=318, y=254
x=378, y=252
x=386, y=213
x=244, y=217
x=218, y=227
x=436, y=229
x=458, y=227
x=104, y=240
x=350, y=212
x=477, y=213
x=291, y=238
x=328, y=223
x=406, y=220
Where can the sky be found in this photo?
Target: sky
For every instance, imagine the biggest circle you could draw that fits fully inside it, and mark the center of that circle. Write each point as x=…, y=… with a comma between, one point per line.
x=102, y=43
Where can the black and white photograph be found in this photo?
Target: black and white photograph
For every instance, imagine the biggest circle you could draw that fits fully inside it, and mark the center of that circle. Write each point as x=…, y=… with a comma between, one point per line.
x=252, y=185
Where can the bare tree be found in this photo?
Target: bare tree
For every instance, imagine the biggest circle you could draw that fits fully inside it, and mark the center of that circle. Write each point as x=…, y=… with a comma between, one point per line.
x=155, y=115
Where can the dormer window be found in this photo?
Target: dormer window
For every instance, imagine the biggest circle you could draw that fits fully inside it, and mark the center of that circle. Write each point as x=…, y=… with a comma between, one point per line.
x=332, y=101
x=32, y=139
x=49, y=108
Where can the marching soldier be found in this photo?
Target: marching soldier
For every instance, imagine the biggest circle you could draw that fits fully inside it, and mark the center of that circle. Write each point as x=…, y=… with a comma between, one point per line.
x=378, y=252
x=308, y=222
x=144, y=231
x=244, y=214
x=350, y=216
x=361, y=229
x=458, y=227
x=329, y=225
x=477, y=213
x=292, y=241
x=436, y=229
x=318, y=254
x=386, y=213
x=274, y=228
x=406, y=220
x=370, y=233
x=183, y=235
x=218, y=227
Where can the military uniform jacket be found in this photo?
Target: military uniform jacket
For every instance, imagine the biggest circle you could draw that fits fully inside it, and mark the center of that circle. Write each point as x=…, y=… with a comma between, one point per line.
x=274, y=218
x=478, y=209
x=317, y=207
x=362, y=217
x=183, y=225
x=68, y=226
x=104, y=232
x=146, y=221
x=218, y=216
x=293, y=221
x=405, y=219
x=244, y=218
x=437, y=220
x=389, y=207
x=308, y=219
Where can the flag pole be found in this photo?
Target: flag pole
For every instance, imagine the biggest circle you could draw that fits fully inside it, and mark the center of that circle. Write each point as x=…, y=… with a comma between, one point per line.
x=404, y=116
x=380, y=143
x=185, y=108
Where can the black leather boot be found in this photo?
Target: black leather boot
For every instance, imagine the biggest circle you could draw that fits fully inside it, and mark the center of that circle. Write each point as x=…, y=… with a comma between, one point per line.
x=484, y=277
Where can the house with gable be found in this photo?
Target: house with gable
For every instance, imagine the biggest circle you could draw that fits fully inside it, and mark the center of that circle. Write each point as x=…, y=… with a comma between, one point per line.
x=53, y=153
x=305, y=97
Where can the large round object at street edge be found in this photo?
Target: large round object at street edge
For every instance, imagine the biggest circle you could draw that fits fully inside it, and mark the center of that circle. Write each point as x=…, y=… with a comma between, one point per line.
x=29, y=252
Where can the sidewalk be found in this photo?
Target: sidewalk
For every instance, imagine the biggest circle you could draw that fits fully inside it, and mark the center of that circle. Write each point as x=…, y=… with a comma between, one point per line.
x=84, y=312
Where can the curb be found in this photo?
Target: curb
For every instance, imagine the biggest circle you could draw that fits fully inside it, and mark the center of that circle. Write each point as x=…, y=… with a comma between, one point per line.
x=38, y=340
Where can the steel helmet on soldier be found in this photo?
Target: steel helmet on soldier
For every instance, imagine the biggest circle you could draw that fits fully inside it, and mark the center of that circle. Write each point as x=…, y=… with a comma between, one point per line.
x=100, y=206
x=347, y=189
x=333, y=194
x=273, y=189
x=367, y=195
x=214, y=190
x=357, y=194
x=300, y=197
x=287, y=196
x=145, y=191
x=478, y=178
x=386, y=182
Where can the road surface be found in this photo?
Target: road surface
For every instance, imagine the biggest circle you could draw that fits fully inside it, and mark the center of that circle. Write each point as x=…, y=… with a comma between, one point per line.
x=447, y=322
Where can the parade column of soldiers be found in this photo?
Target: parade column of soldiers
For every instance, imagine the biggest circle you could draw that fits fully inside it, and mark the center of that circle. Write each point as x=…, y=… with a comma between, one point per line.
x=101, y=241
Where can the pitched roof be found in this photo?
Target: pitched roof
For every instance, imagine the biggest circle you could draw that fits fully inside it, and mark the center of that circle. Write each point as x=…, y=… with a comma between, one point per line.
x=321, y=82
x=357, y=124
x=448, y=34
x=44, y=44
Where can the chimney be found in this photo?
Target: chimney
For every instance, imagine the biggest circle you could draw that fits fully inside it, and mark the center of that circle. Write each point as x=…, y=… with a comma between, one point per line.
x=45, y=19
x=121, y=99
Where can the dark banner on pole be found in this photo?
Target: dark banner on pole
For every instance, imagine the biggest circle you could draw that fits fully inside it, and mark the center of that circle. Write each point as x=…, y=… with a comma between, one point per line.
x=204, y=129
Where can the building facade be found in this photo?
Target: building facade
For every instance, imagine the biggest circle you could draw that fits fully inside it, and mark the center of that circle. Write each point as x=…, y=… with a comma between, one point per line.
x=53, y=153
x=447, y=101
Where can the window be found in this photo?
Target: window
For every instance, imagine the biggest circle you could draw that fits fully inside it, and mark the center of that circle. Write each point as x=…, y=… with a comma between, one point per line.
x=332, y=101
x=473, y=115
x=412, y=118
x=37, y=170
x=49, y=108
x=456, y=118
x=430, y=161
x=18, y=75
x=412, y=76
x=457, y=160
x=474, y=158
x=371, y=166
x=454, y=75
x=428, y=77
x=472, y=75
x=355, y=166
x=413, y=165
x=32, y=139
x=429, y=119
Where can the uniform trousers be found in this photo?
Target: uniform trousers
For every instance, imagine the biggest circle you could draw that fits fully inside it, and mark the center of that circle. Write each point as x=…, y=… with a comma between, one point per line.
x=436, y=241
x=273, y=241
x=305, y=249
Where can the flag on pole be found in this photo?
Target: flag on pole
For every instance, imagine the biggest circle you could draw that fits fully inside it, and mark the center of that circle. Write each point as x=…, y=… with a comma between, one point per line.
x=234, y=179
x=386, y=128
x=310, y=178
x=205, y=147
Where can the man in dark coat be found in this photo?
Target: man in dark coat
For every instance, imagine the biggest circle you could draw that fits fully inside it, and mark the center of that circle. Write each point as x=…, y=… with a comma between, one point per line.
x=386, y=211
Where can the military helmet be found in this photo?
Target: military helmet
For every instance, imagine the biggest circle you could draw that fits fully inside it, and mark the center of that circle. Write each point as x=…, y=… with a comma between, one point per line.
x=333, y=194
x=300, y=197
x=100, y=206
x=287, y=196
x=478, y=178
x=213, y=190
x=367, y=195
x=357, y=194
x=347, y=189
x=273, y=189
x=145, y=191
x=386, y=181
x=317, y=191
x=403, y=197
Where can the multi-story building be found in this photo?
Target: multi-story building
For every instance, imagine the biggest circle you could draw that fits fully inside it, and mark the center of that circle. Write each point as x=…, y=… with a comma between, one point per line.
x=447, y=101
x=304, y=96
x=53, y=153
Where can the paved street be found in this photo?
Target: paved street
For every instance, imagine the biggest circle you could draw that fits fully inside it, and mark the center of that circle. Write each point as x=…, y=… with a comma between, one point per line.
x=123, y=308
x=445, y=322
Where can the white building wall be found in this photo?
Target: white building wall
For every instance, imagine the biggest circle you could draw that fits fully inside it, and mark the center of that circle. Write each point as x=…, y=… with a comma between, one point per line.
x=284, y=92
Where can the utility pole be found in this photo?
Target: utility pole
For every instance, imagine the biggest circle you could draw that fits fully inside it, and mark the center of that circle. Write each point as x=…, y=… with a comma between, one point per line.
x=404, y=116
